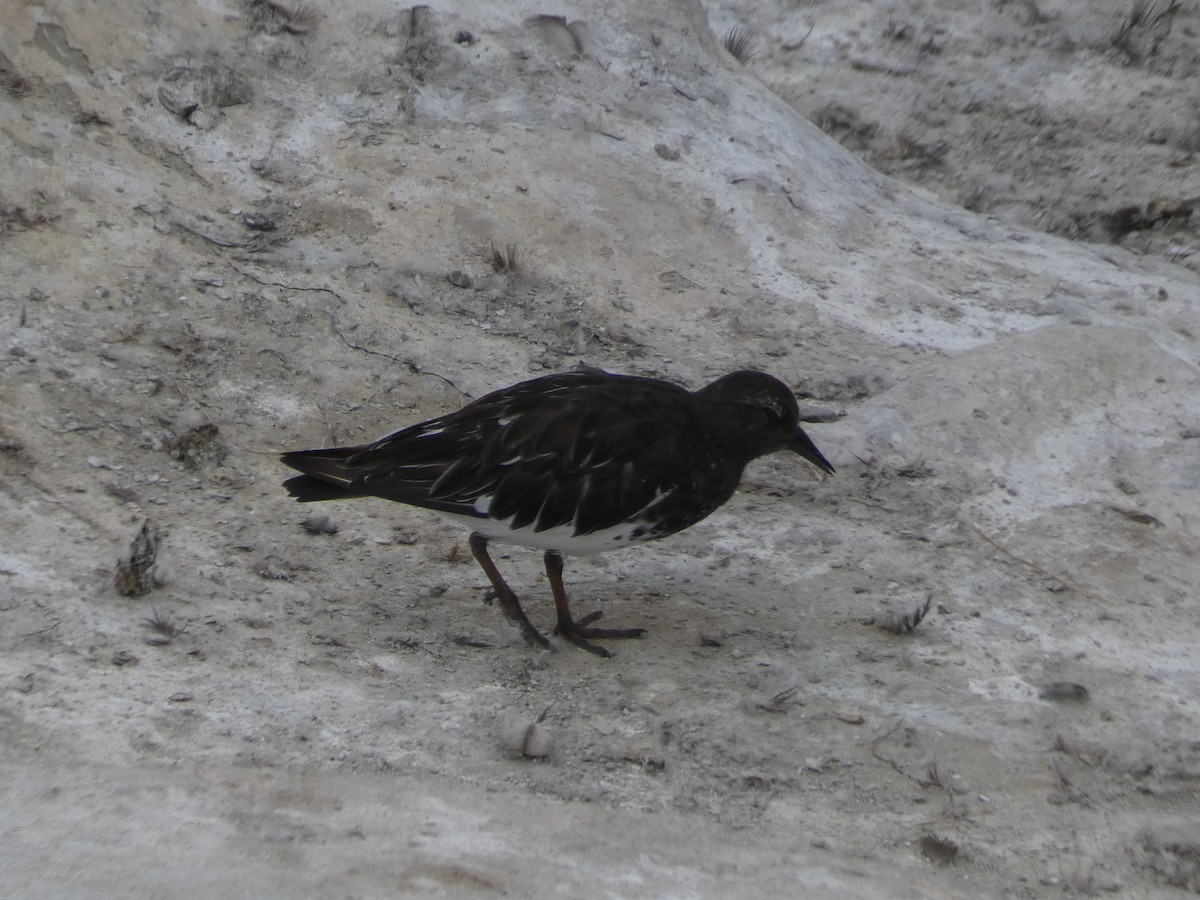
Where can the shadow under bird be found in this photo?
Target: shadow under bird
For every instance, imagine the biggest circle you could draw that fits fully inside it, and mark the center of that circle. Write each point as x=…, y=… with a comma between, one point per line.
x=573, y=464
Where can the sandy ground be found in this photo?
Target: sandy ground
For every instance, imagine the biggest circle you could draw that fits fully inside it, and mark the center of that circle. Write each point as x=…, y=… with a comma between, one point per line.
x=232, y=229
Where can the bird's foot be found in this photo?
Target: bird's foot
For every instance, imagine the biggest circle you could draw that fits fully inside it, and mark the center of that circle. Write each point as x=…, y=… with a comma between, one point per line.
x=513, y=612
x=577, y=633
x=535, y=638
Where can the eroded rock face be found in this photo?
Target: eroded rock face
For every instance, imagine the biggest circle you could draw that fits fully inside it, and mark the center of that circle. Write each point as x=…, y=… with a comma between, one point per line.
x=397, y=218
x=197, y=95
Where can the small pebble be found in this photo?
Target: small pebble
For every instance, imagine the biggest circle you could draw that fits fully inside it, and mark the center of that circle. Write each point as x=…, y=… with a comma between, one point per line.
x=320, y=523
x=532, y=740
x=1065, y=692
x=259, y=222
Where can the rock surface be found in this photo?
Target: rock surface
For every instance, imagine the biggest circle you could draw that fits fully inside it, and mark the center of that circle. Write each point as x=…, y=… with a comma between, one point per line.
x=408, y=208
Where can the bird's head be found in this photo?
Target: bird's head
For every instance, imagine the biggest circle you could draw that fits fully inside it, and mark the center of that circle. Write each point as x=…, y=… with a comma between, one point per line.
x=764, y=410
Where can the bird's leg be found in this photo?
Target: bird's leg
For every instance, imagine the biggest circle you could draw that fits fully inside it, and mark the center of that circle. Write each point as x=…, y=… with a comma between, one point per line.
x=578, y=632
x=502, y=592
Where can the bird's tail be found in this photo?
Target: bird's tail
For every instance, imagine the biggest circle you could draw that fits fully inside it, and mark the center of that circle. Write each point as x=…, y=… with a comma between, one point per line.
x=326, y=474
x=307, y=489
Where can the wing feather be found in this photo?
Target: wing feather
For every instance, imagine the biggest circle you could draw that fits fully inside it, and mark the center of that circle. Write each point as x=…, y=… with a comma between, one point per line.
x=586, y=449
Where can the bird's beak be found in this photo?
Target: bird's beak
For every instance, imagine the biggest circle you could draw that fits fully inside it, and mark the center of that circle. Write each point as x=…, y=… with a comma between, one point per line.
x=801, y=443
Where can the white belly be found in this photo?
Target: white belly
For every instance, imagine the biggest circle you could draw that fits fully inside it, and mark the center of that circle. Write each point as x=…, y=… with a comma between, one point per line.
x=560, y=538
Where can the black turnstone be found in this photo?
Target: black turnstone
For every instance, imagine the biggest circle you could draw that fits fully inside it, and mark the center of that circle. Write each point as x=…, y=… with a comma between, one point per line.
x=570, y=464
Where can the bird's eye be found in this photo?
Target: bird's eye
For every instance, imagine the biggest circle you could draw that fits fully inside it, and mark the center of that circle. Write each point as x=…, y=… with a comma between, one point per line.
x=772, y=415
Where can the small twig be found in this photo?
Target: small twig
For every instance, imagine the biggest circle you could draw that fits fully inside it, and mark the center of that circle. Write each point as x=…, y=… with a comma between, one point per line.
x=280, y=284
x=212, y=240
x=1064, y=583
x=412, y=367
x=779, y=702
x=42, y=630
x=891, y=762
x=933, y=778
x=875, y=505
x=796, y=45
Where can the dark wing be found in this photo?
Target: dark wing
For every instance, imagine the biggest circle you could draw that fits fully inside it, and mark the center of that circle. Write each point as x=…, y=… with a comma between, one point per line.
x=585, y=449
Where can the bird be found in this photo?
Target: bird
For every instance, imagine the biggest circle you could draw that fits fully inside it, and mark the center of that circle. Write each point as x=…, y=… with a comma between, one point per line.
x=571, y=464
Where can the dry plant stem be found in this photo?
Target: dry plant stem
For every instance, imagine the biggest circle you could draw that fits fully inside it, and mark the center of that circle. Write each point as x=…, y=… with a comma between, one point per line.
x=1064, y=583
